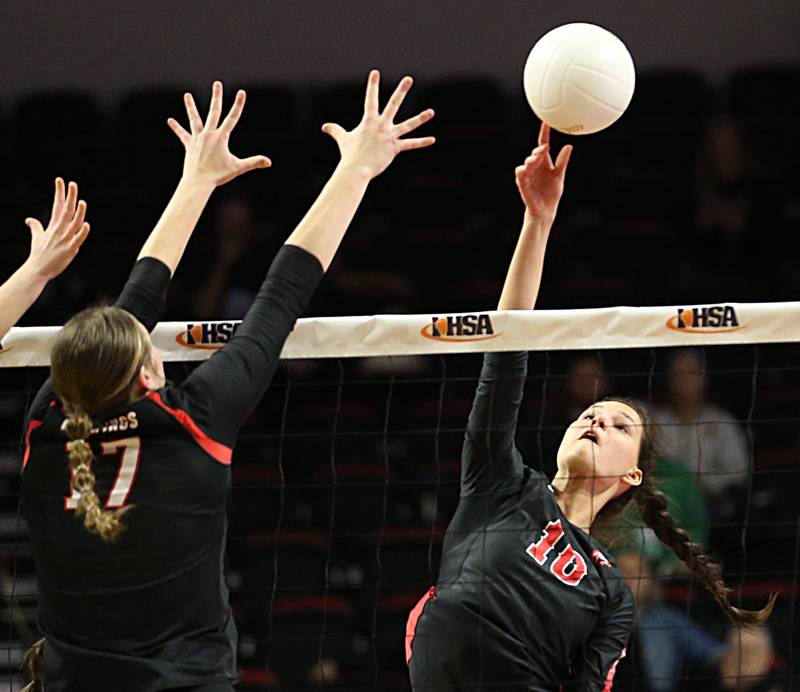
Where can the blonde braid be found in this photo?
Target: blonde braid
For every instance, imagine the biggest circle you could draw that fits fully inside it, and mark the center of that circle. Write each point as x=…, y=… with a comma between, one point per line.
x=33, y=662
x=105, y=523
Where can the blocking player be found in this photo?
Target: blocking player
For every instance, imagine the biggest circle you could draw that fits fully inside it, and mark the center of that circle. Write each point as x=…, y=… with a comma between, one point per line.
x=128, y=522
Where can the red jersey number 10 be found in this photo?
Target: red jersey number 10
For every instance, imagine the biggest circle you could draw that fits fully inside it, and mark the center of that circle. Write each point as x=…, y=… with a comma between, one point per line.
x=569, y=567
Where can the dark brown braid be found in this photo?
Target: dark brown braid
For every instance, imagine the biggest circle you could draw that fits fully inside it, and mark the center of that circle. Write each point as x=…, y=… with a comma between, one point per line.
x=653, y=507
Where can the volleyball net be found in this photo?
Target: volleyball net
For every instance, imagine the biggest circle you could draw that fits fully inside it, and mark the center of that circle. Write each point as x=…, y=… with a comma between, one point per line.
x=345, y=477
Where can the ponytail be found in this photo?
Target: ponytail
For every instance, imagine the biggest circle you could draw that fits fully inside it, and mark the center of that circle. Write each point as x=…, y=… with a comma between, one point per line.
x=653, y=507
x=104, y=523
x=114, y=343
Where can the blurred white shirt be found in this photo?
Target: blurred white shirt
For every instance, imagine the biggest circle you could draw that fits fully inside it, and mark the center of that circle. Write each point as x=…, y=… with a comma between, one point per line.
x=714, y=447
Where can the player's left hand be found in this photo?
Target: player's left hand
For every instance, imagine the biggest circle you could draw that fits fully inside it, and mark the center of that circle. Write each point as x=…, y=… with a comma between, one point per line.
x=539, y=180
x=207, y=155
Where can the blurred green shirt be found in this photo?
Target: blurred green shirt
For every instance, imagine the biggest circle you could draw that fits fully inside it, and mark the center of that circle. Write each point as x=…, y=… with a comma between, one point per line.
x=686, y=505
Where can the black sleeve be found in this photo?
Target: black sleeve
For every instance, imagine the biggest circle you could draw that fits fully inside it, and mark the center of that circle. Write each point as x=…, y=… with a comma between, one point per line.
x=144, y=296
x=490, y=460
x=224, y=390
x=145, y=292
x=594, y=667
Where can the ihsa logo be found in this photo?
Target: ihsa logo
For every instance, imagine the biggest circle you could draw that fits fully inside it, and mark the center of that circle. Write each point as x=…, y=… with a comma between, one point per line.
x=712, y=319
x=207, y=335
x=460, y=328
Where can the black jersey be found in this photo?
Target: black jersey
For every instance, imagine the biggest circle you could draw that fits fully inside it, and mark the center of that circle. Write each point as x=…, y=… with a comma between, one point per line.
x=150, y=612
x=525, y=600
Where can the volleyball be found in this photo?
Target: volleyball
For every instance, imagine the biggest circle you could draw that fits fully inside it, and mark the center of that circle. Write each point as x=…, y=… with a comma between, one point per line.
x=579, y=78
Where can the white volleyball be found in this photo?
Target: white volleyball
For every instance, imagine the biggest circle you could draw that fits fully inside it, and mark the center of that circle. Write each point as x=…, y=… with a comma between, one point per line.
x=579, y=78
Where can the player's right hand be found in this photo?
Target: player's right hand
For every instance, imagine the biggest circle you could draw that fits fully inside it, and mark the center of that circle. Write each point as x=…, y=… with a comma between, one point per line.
x=207, y=155
x=539, y=180
x=375, y=141
x=54, y=248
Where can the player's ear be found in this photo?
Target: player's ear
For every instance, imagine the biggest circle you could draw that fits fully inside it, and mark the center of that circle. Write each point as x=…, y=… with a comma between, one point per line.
x=633, y=476
x=145, y=380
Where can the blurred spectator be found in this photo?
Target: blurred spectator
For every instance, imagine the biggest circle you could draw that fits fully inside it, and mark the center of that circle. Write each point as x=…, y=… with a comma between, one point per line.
x=705, y=437
x=585, y=384
x=736, y=200
x=669, y=642
x=728, y=184
x=748, y=661
x=323, y=673
x=222, y=294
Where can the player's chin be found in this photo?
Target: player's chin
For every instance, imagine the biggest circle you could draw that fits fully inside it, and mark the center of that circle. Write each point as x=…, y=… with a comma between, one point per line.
x=581, y=459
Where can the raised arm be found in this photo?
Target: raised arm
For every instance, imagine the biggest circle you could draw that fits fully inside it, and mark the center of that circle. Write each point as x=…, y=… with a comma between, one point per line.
x=366, y=152
x=540, y=183
x=234, y=380
x=51, y=252
x=490, y=459
x=208, y=163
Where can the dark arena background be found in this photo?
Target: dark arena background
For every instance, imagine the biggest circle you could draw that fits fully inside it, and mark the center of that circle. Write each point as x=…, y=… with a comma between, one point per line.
x=346, y=475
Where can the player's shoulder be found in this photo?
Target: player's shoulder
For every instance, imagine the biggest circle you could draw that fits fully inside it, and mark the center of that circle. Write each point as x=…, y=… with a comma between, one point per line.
x=181, y=404
x=607, y=568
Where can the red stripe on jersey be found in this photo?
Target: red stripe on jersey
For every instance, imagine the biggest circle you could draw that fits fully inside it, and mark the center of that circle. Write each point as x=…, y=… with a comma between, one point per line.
x=31, y=427
x=218, y=451
x=612, y=672
x=413, y=616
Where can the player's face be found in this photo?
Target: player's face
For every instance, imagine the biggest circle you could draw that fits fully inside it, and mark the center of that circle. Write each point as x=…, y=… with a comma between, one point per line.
x=603, y=444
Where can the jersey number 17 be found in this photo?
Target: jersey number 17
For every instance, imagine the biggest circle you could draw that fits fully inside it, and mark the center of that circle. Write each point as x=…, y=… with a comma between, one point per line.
x=130, y=452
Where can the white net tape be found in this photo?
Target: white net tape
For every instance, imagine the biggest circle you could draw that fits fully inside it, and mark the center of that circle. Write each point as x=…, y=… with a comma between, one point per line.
x=539, y=330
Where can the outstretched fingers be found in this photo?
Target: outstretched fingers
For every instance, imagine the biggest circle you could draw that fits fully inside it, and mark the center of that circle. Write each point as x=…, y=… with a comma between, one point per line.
x=411, y=124
x=76, y=240
x=416, y=143
x=77, y=220
x=371, y=97
x=58, y=199
x=34, y=225
x=252, y=162
x=235, y=113
x=215, y=109
x=397, y=98
x=69, y=205
x=563, y=159
x=177, y=128
x=544, y=134
x=195, y=121
x=333, y=130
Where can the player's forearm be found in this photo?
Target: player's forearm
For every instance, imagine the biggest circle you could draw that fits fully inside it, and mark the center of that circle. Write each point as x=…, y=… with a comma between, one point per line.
x=323, y=227
x=18, y=293
x=236, y=378
x=171, y=234
x=524, y=275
